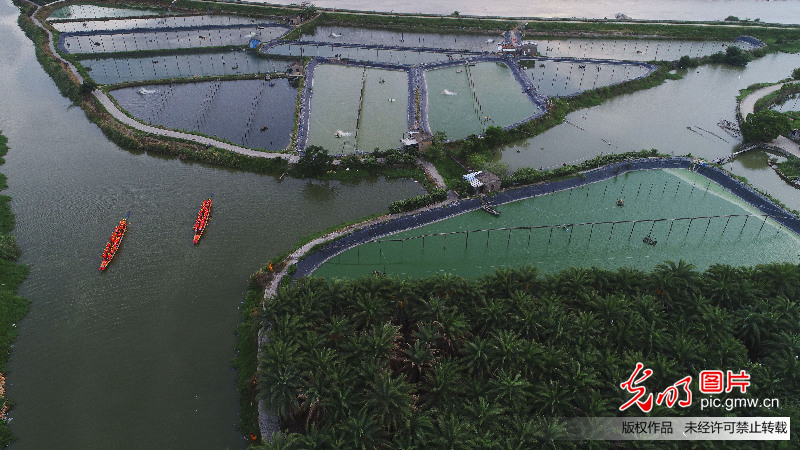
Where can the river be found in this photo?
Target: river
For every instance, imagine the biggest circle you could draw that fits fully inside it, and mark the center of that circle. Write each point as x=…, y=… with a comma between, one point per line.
x=775, y=11
x=138, y=356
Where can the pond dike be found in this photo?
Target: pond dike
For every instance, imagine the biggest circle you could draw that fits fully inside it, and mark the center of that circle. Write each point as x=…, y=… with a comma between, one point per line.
x=63, y=36
x=311, y=262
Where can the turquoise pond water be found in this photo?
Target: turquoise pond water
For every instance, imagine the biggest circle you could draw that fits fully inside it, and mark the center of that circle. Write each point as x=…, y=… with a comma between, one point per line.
x=647, y=196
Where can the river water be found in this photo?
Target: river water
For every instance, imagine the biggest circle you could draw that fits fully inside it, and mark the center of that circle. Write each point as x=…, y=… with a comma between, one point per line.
x=775, y=11
x=138, y=356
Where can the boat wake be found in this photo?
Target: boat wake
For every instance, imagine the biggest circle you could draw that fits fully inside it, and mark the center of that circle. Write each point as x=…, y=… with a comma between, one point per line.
x=446, y=92
x=340, y=133
x=144, y=91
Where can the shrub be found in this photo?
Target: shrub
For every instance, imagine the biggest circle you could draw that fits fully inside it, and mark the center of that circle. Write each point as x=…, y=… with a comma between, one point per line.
x=419, y=201
x=764, y=126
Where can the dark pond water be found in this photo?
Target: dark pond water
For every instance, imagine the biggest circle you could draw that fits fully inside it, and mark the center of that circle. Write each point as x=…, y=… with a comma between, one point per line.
x=471, y=42
x=201, y=64
x=97, y=11
x=253, y=113
x=404, y=57
x=172, y=39
x=155, y=22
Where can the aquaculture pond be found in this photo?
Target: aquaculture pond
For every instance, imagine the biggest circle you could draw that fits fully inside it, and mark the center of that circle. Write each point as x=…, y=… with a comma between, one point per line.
x=358, y=53
x=464, y=100
x=585, y=227
x=155, y=22
x=184, y=65
x=357, y=108
x=252, y=113
x=367, y=36
x=678, y=117
x=630, y=49
x=554, y=78
x=791, y=104
x=105, y=42
x=71, y=12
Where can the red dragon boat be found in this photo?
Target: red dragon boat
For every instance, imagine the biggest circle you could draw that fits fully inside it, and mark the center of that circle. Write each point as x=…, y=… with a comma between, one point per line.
x=113, y=242
x=202, y=219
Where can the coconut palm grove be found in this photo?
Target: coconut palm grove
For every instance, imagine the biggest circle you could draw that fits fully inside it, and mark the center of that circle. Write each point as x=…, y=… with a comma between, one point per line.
x=446, y=362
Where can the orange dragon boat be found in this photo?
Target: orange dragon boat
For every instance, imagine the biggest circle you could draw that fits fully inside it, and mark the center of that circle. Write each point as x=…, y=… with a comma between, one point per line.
x=202, y=219
x=113, y=243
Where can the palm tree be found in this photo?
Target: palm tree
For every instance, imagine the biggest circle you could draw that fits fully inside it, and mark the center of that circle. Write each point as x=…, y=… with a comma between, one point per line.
x=362, y=431
x=475, y=355
x=389, y=400
x=510, y=390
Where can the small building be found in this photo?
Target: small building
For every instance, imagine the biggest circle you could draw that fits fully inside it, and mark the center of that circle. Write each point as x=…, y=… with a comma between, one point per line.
x=419, y=139
x=294, y=20
x=528, y=48
x=295, y=70
x=482, y=182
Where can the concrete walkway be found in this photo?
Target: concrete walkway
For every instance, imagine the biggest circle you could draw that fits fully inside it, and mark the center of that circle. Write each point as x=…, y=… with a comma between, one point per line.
x=122, y=117
x=747, y=105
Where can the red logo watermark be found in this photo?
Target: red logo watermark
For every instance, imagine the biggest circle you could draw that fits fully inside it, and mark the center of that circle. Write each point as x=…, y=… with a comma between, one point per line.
x=711, y=382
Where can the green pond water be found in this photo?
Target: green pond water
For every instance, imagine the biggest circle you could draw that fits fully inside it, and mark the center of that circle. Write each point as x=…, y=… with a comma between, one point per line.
x=647, y=196
x=466, y=100
x=335, y=103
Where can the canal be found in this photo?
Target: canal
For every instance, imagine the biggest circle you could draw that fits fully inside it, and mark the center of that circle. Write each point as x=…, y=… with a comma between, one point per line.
x=138, y=356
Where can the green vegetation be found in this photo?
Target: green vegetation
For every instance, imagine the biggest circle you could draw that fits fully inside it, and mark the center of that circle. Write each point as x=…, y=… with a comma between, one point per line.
x=410, y=204
x=529, y=175
x=777, y=97
x=733, y=56
x=796, y=74
x=407, y=23
x=790, y=168
x=12, y=307
x=684, y=31
x=314, y=161
x=445, y=362
x=764, y=126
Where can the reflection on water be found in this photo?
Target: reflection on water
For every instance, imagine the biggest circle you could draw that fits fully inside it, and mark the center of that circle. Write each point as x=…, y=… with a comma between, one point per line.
x=319, y=191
